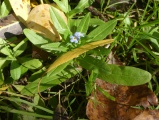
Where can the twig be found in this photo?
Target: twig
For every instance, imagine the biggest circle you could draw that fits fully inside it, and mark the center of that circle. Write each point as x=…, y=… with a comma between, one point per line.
x=97, y=13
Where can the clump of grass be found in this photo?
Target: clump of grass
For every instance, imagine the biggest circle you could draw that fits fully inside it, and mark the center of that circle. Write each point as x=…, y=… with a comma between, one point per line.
x=136, y=44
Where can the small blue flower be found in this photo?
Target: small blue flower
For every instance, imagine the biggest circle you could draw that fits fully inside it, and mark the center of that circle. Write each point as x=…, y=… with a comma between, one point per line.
x=76, y=37
x=73, y=39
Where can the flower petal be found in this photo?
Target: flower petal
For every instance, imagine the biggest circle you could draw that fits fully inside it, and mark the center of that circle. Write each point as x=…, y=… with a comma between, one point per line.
x=78, y=35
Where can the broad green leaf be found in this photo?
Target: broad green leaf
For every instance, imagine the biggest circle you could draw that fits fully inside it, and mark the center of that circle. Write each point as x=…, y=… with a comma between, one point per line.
x=121, y=75
x=103, y=30
x=74, y=23
x=19, y=49
x=42, y=42
x=23, y=70
x=4, y=48
x=6, y=51
x=84, y=4
x=5, y=8
x=30, y=63
x=81, y=6
x=78, y=51
x=63, y=5
x=18, y=87
x=95, y=21
x=11, y=41
x=36, y=99
x=37, y=74
x=49, y=81
x=3, y=62
x=50, y=47
x=101, y=51
x=74, y=12
x=84, y=24
x=15, y=70
x=58, y=21
x=35, y=38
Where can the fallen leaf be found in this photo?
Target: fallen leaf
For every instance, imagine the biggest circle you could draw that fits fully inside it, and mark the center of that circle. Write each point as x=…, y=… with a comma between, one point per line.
x=136, y=95
x=148, y=115
x=21, y=9
x=40, y=21
x=3, y=89
x=101, y=108
x=10, y=26
x=77, y=51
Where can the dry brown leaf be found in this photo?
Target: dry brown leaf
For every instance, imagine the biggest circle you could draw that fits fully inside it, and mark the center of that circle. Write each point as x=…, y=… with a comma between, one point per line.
x=40, y=21
x=136, y=95
x=101, y=108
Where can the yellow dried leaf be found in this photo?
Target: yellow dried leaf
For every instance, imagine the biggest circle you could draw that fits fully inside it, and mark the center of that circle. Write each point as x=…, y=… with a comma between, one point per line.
x=78, y=51
x=20, y=8
x=33, y=3
x=39, y=20
x=3, y=88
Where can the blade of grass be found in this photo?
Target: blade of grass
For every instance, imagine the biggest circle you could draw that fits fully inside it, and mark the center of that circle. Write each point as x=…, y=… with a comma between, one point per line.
x=11, y=110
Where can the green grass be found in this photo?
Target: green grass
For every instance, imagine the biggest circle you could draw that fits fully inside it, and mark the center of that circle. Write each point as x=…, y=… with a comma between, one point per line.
x=135, y=35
